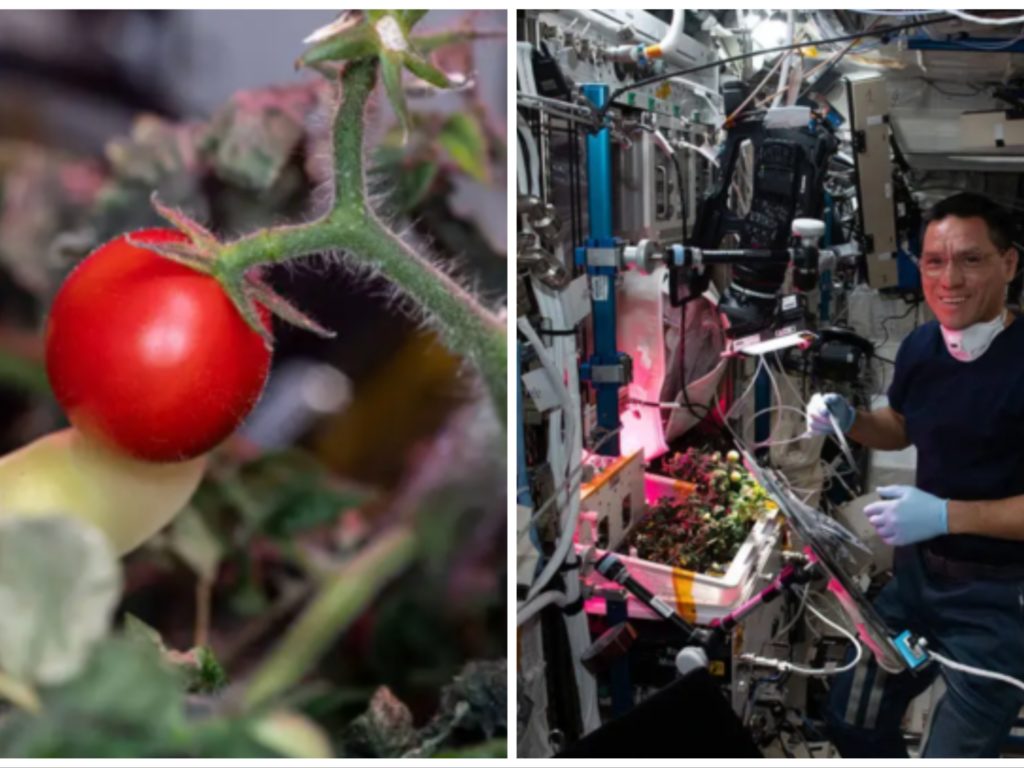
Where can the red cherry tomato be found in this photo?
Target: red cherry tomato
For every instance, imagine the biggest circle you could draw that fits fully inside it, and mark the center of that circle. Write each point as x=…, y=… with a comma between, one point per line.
x=150, y=356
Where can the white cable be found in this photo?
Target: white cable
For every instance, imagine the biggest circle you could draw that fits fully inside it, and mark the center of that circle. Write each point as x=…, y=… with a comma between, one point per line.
x=787, y=666
x=561, y=455
x=564, y=458
x=985, y=20
x=531, y=608
x=914, y=12
x=552, y=373
x=829, y=471
x=701, y=91
x=796, y=616
x=753, y=378
x=573, y=513
x=773, y=382
x=845, y=446
x=522, y=177
x=550, y=303
x=756, y=89
x=672, y=34
x=975, y=670
x=792, y=387
x=706, y=152
x=534, y=157
x=524, y=68
x=778, y=409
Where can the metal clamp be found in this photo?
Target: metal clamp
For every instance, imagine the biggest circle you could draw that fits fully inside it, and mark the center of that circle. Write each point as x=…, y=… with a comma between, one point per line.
x=542, y=217
x=541, y=264
x=603, y=257
x=619, y=373
x=645, y=255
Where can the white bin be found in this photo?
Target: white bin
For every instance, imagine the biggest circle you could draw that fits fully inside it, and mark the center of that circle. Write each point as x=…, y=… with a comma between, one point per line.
x=699, y=598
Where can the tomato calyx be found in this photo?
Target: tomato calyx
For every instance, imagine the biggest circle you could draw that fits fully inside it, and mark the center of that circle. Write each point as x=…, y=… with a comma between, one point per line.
x=246, y=288
x=199, y=252
x=387, y=37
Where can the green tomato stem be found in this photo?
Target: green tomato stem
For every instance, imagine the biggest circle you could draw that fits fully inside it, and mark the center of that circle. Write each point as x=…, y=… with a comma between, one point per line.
x=466, y=327
x=341, y=600
x=357, y=82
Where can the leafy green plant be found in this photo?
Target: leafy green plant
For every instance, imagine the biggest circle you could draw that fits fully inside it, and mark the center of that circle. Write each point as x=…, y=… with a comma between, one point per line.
x=703, y=531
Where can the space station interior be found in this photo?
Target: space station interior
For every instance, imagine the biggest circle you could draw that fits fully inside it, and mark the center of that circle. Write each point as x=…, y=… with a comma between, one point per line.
x=719, y=215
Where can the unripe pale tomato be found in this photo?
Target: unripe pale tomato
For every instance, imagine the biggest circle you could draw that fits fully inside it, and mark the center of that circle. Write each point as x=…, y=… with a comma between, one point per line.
x=149, y=356
x=70, y=474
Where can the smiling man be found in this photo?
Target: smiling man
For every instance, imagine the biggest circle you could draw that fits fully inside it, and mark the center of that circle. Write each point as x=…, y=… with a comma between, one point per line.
x=957, y=394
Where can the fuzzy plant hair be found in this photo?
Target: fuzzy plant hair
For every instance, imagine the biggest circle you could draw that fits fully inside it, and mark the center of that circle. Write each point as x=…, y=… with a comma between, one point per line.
x=371, y=46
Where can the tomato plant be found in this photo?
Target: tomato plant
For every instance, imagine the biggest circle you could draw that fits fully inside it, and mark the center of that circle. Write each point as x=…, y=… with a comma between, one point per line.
x=704, y=531
x=150, y=356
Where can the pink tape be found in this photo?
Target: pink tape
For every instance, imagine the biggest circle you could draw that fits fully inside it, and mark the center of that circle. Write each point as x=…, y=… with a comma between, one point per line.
x=851, y=608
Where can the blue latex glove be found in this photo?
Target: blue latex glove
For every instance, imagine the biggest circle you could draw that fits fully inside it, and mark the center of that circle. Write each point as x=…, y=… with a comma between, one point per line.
x=820, y=406
x=907, y=515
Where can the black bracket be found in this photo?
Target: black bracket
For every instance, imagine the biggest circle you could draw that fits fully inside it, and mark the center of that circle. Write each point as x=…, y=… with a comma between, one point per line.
x=860, y=142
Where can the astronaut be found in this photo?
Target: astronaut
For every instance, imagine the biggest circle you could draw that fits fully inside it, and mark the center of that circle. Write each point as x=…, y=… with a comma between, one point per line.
x=957, y=394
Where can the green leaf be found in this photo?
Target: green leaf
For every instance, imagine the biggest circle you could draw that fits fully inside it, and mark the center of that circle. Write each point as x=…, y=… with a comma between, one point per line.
x=199, y=669
x=426, y=71
x=136, y=628
x=426, y=44
x=254, y=138
x=295, y=494
x=429, y=43
x=414, y=183
x=192, y=540
x=354, y=43
x=208, y=676
x=463, y=139
x=391, y=74
x=59, y=583
x=127, y=703
x=409, y=19
x=124, y=692
x=342, y=598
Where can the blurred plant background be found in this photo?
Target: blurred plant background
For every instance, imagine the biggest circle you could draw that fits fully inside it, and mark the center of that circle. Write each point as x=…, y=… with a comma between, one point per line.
x=97, y=110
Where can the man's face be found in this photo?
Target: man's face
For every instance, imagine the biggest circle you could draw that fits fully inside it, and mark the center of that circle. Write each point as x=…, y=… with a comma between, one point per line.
x=963, y=273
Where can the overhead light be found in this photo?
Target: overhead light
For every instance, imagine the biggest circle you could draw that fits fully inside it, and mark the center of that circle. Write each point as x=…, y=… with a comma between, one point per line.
x=770, y=33
x=770, y=341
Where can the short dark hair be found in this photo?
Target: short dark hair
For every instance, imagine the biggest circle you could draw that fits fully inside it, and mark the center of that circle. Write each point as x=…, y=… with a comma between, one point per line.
x=966, y=205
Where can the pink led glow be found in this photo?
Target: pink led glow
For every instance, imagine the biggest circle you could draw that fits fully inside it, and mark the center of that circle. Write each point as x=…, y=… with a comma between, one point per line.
x=642, y=431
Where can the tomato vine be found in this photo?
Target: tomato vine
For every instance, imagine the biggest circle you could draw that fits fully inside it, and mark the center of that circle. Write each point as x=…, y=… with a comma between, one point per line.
x=351, y=226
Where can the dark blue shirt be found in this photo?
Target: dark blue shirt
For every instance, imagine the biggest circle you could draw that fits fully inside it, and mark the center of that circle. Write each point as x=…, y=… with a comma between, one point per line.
x=967, y=422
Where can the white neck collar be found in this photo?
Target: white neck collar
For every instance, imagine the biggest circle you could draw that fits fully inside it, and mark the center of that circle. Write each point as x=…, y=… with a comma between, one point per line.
x=972, y=342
